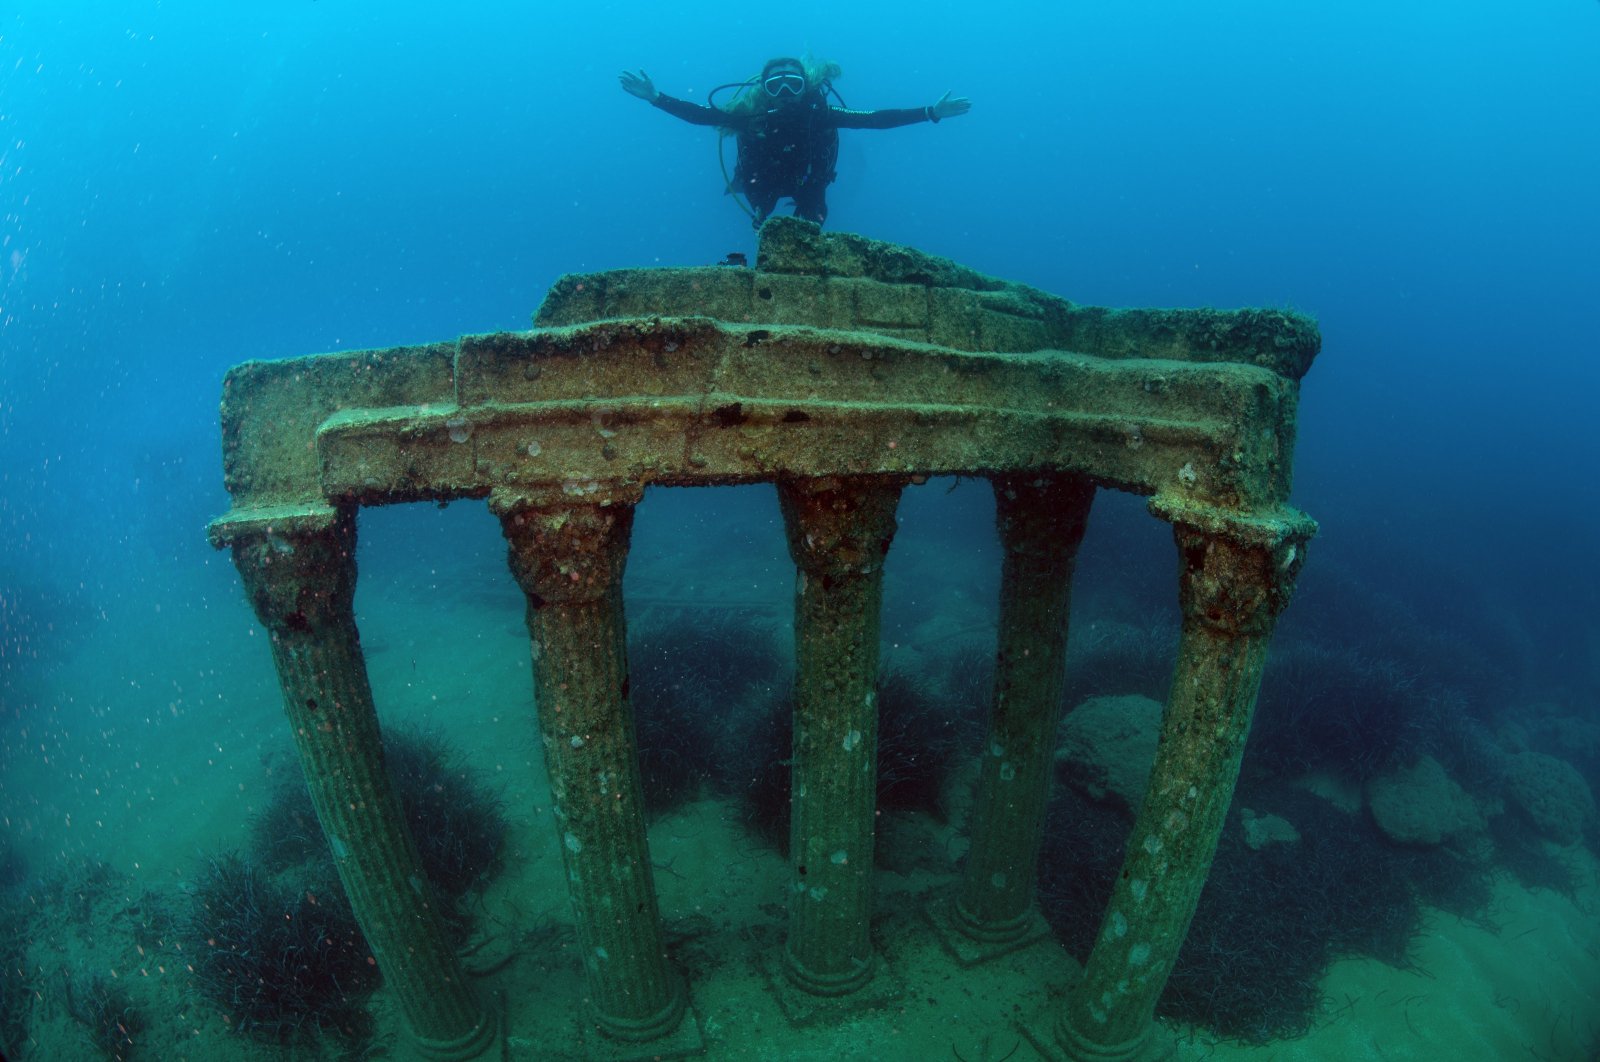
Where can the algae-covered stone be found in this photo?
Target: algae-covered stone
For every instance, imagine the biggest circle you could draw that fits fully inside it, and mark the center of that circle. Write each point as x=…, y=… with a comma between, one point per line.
x=1552, y=794
x=1262, y=830
x=1107, y=747
x=1423, y=805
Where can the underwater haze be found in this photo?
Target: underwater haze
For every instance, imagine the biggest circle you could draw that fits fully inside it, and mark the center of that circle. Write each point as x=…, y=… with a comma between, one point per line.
x=186, y=185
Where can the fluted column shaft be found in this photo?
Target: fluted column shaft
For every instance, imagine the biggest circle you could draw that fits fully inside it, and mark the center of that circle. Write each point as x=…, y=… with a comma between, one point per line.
x=1231, y=591
x=839, y=531
x=1041, y=522
x=302, y=587
x=568, y=556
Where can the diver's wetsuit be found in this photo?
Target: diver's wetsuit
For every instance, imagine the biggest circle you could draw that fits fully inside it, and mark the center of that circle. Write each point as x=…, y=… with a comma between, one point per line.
x=790, y=150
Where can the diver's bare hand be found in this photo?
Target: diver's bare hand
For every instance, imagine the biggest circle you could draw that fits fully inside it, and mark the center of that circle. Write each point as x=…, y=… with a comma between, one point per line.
x=947, y=107
x=638, y=85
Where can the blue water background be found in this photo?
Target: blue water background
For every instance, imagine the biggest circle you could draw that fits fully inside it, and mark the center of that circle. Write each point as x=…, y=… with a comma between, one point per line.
x=184, y=185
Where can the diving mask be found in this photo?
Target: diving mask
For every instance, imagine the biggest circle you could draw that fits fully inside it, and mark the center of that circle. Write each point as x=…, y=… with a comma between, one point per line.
x=784, y=85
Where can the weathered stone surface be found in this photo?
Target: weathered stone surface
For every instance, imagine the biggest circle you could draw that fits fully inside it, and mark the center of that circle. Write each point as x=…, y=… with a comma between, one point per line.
x=1107, y=747
x=1552, y=793
x=1233, y=582
x=1041, y=523
x=271, y=411
x=302, y=586
x=841, y=280
x=1422, y=805
x=838, y=355
x=1263, y=830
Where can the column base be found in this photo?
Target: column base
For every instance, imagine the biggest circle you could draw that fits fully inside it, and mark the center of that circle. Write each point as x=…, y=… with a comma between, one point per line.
x=971, y=943
x=1045, y=1032
x=673, y=1033
x=487, y=1040
x=804, y=1007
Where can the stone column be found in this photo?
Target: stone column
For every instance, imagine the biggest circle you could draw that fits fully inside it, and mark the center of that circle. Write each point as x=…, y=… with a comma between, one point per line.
x=1236, y=575
x=302, y=585
x=1041, y=522
x=568, y=554
x=839, y=530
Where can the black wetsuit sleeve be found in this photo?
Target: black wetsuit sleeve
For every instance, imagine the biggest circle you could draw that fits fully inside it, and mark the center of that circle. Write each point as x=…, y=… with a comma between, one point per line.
x=885, y=119
x=695, y=114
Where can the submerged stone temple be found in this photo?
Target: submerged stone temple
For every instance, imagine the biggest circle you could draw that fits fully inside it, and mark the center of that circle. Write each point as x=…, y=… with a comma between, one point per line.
x=839, y=369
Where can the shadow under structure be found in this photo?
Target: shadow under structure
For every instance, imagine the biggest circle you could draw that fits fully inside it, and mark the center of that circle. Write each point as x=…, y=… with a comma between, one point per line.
x=840, y=369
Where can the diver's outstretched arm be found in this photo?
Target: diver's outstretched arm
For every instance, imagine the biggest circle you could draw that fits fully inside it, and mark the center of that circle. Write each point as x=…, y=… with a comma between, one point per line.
x=641, y=86
x=947, y=107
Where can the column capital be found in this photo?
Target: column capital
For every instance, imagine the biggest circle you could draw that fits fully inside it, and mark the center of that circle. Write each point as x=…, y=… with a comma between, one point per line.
x=1236, y=570
x=299, y=580
x=567, y=548
x=839, y=526
x=1232, y=586
x=1042, y=515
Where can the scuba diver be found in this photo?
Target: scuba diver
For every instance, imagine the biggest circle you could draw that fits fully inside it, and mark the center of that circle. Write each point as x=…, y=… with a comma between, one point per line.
x=787, y=131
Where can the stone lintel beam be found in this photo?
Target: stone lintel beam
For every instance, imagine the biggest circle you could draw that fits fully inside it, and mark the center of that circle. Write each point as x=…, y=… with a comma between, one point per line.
x=664, y=357
x=378, y=459
x=806, y=402
x=1235, y=577
x=844, y=281
x=301, y=582
x=568, y=554
x=839, y=531
x=271, y=410
x=1041, y=521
